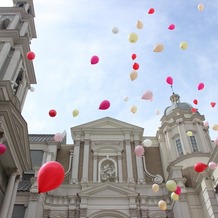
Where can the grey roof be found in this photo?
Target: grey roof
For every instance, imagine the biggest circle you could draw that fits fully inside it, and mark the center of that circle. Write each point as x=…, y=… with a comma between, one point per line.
x=25, y=184
x=41, y=137
x=183, y=106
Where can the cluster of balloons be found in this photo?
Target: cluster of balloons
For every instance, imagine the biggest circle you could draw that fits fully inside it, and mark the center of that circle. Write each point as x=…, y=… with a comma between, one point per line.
x=200, y=167
x=3, y=148
x=174, y=188
x=50, y=176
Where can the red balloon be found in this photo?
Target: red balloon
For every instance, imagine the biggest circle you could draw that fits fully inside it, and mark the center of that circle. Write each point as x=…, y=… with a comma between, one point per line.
x=50, y=176
x=200, y=86
x=133, y=56
x=135, y=66
x=195, y=101
x=169, y=80
x=104, y=105
x=30, y=55
x=171, y=27
x=200, y=167
x=151, y=11
x=2, y=148
x=194, y=110
x=178, y=190
x=94, y=59
x=213, y=104
x=52, y=113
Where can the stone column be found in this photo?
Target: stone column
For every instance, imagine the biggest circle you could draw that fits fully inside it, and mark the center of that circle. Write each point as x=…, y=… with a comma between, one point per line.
x=14, y=22
x=85, y=161
x=75, y=162
x=32, y=205
x=120, y=173
x=4, y=53
x=95, y=167
x=129, y=162
x=171, y=147
x=13, y=197
x=139, y=166
x=8, y=195
x=183, y=138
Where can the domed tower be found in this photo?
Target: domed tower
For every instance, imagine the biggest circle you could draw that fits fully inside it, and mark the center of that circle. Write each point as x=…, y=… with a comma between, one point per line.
x=183, y=137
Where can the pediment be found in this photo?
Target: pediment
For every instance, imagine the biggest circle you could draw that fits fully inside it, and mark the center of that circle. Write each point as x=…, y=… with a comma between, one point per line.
x=112, y=189
x=106, y=125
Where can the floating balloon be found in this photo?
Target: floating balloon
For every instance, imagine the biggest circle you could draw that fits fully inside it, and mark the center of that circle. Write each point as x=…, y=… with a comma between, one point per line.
x=174, y=196
x=135, y=66
x=30, y=55
x=58, y=137
x=200, y=86
x=178, y=190
x=213, y=104
x=195, y=101
x=134, y=56
x=212, y=165
x=50, y=176
x=157, y=112
x=155, y=187
x=133, y=75
x=133, y=37
x=169, y=80
x=126, y=99
x=2, y=148
x=148, y=95
x=133, y=109
x=139, y=24
x=94, y=59
x=32, y=89
x=115, y=30
x=158, y=48
x=183, y=45
x=206, y=123
x=151, y=11
x=216, y=141
x=52, y=113
x=139, y=150
x=171, y=185
x=147, y=143
x=189, y=133
x=194, y=110
x=215, y=127
x=162, y=205
x=75, y=112
x=200, y=167
x=201, y=7
x=171, y=27
x=104, y=105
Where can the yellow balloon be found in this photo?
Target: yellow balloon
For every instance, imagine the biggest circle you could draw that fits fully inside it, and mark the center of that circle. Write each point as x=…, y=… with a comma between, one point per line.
x=133, y=75
x=174, y=196
x=162, y=205
x=171, y=185
x=139, y=24
x=158, y=48
x=155, y=187
x=133, y=109
x=183, y=45
x=215, y=127
x=201, y=7
x=133, y=37
x=189, y=133
x=75, y=112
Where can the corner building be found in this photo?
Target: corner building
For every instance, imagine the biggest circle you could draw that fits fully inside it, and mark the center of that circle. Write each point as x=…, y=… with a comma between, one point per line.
x=103, y=176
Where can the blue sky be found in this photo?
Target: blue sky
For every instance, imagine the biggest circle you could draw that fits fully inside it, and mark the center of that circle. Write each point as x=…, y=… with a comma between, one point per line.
x=69, y=33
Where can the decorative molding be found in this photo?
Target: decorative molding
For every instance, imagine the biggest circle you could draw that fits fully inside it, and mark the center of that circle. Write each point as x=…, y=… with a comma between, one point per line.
x=133, y=212
x=83, y=212
x=34, y=197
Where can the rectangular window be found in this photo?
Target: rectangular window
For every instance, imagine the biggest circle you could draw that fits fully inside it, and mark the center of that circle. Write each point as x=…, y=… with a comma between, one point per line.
x=193, y=144
x=179, y=147
x=36, y=157
x=19, y=211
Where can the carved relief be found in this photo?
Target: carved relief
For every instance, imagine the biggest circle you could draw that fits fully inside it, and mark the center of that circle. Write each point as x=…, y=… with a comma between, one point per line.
x=133, y=212
x=34, y=197
x=83, y=212
x=108, y=171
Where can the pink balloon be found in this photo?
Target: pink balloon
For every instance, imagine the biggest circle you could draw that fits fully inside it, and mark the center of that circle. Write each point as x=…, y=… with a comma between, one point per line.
x=139, y=150
x=148, y=95
x=58, y=137
x=216, y=141
x=178, y=190
x=212, y=165
x=2, y=148
x=94, y=59
x=169, y=80
x=104, y=105
x=171, y=27
x=200, y=86
x=206, y=123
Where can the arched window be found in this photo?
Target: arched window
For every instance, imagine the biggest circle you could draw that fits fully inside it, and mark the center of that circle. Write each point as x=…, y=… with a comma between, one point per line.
x=5, y=23
x=193, y=143
x=107, y=170
x=179, y=147
x=18, y=81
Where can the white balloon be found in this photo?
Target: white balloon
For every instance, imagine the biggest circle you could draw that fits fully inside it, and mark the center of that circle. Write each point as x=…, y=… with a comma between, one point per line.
x=147, y=142
x=32, y=89
x=115, y=30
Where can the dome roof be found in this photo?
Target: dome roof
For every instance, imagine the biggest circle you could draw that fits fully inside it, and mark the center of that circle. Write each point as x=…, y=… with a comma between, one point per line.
x=181, y=105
